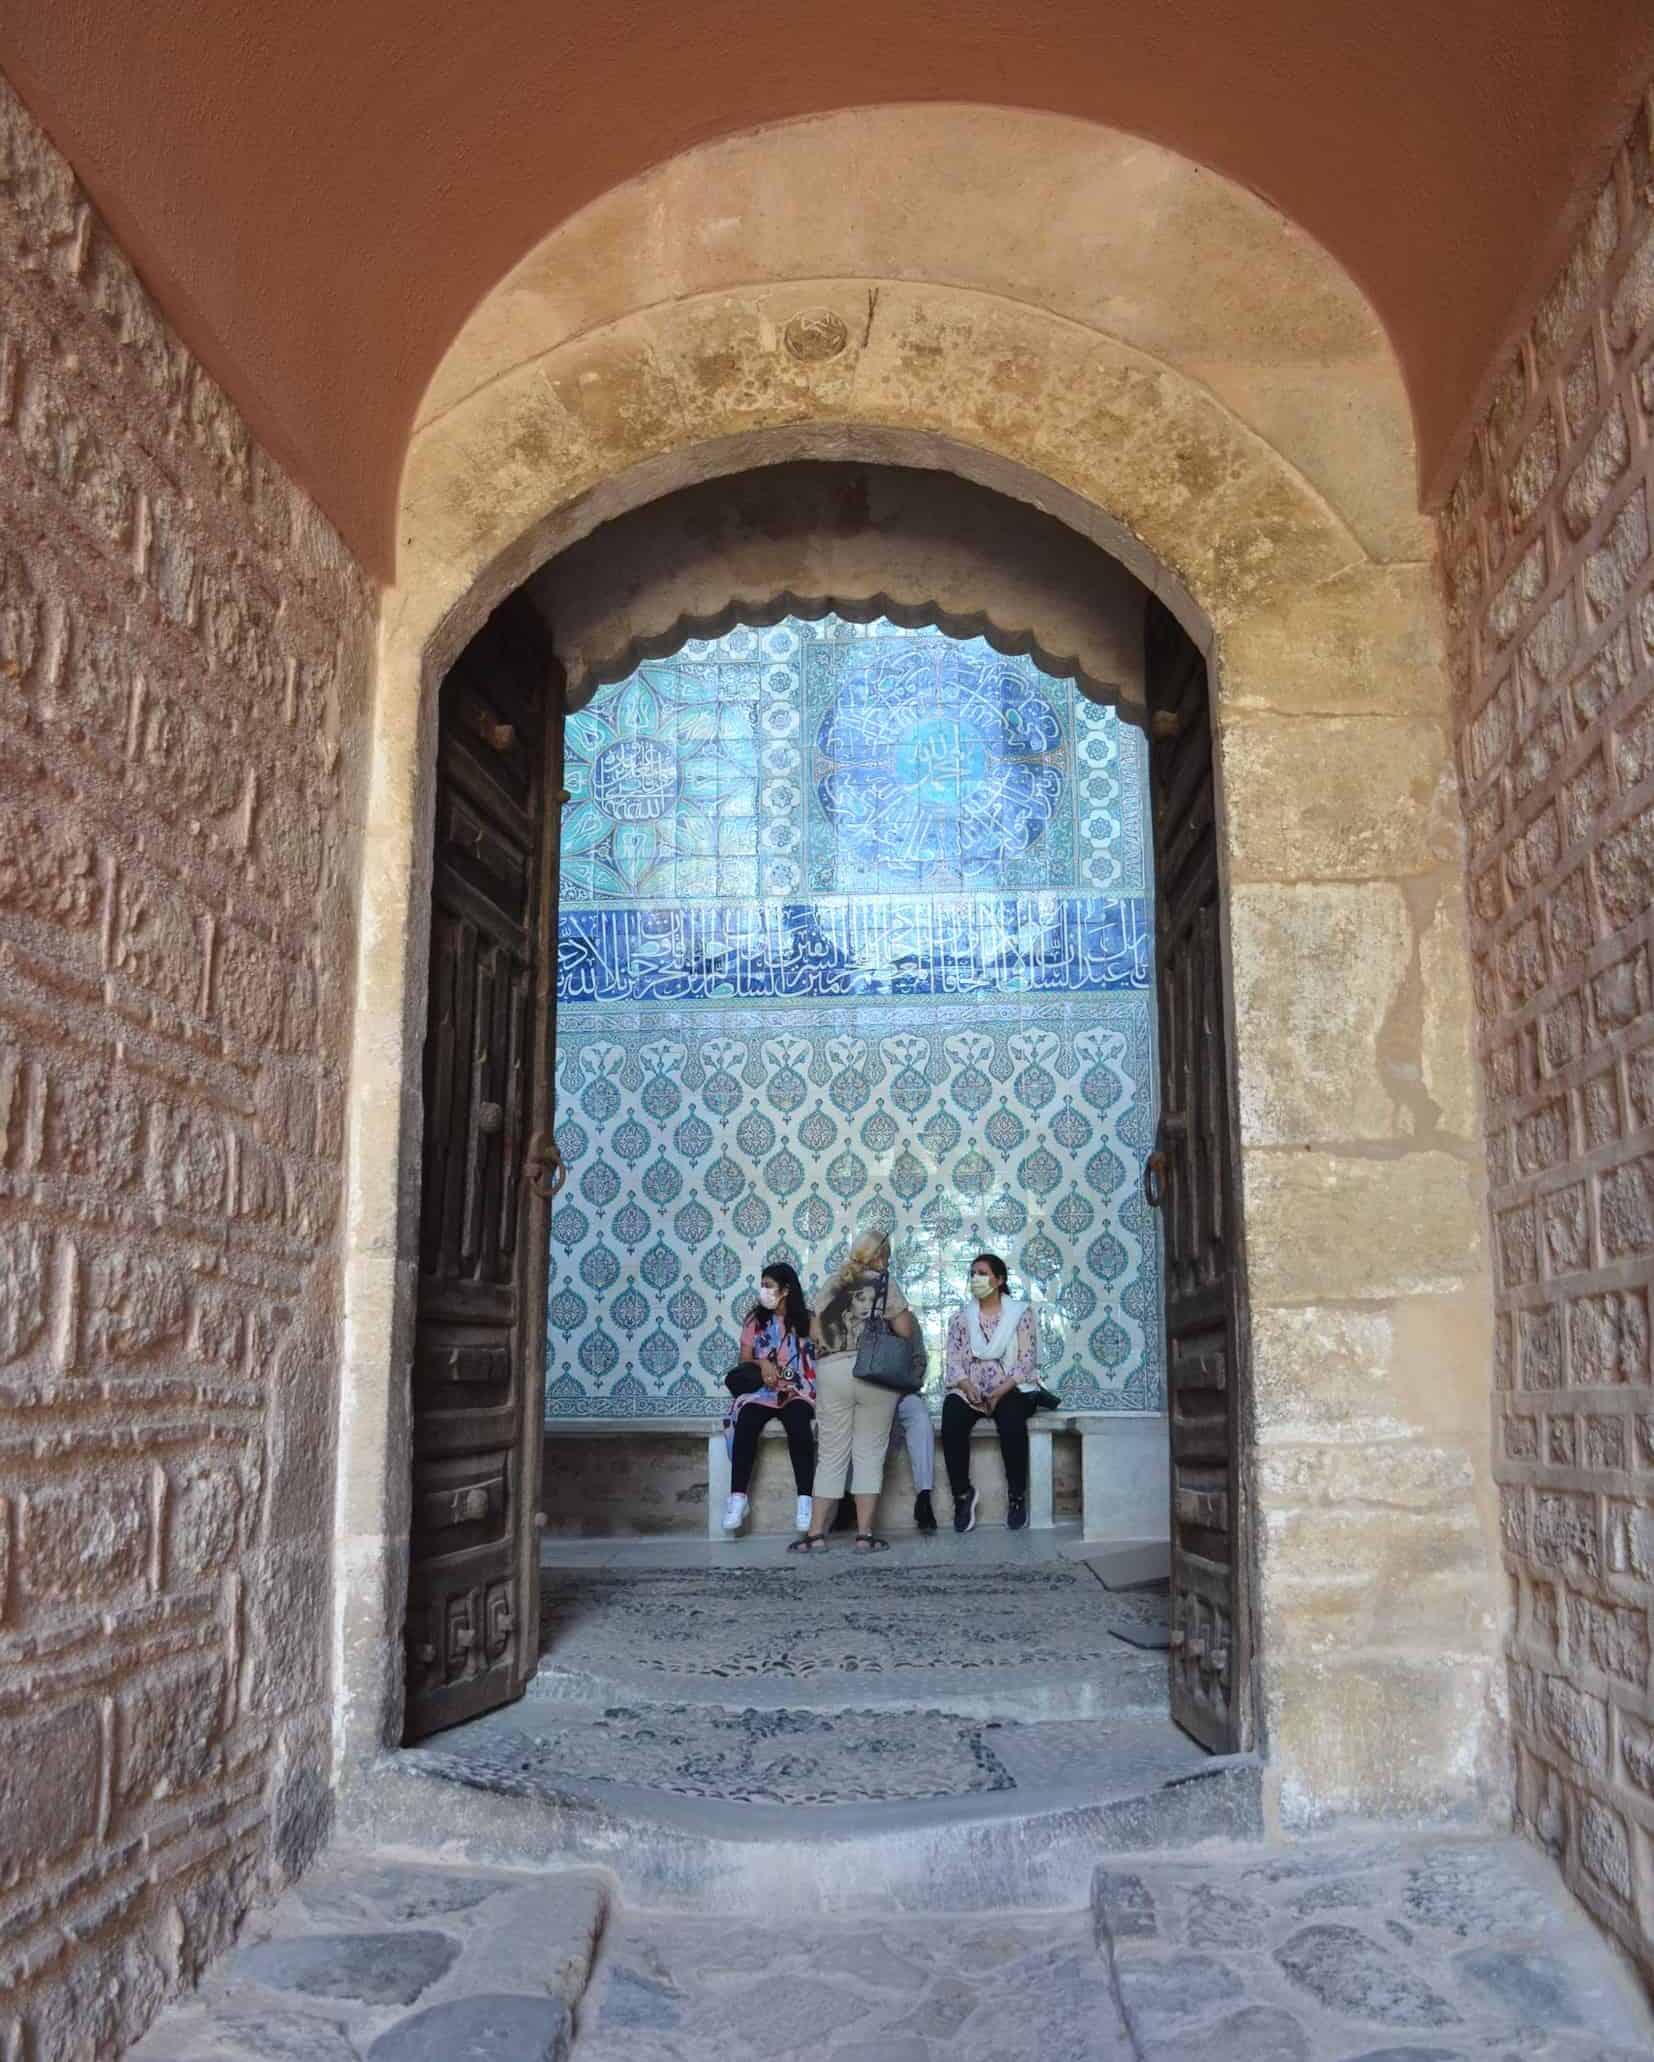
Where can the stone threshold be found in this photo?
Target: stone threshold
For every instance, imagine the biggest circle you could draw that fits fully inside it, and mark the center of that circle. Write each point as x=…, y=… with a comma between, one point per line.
x=1000, y=1852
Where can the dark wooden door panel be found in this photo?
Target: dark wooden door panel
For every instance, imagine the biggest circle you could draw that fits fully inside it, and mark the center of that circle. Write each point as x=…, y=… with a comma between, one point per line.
x=1194, y=1180
x=478, y=1365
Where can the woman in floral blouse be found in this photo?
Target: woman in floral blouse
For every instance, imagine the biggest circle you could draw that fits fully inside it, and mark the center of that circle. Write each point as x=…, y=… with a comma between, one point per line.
x=992, y=1371
x=775, y=1339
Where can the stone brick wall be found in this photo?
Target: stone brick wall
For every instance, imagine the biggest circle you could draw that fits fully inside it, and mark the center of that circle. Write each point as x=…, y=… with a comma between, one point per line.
x=1545, y=547
x=185, y=655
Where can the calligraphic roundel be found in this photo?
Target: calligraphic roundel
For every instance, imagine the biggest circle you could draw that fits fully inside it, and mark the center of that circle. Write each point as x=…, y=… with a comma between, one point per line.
x=937, y=760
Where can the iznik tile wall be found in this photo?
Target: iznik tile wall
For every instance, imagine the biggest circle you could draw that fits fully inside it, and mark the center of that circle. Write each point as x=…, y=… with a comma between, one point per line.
x=856, y=925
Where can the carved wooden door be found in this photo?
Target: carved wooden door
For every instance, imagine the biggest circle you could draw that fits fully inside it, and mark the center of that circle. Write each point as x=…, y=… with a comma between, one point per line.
x=1192, y=1179
x=479, y=1345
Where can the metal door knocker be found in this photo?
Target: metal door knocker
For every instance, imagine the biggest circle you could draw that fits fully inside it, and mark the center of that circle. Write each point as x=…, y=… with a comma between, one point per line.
x=544, y=1168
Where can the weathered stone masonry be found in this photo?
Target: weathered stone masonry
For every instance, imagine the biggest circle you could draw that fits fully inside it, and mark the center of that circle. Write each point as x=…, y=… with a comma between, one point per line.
x=1545, y=546
x=185, y=663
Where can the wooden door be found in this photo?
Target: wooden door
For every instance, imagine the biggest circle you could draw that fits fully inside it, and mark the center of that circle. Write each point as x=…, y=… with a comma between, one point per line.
x=479, y=1345
x=1192, y=1179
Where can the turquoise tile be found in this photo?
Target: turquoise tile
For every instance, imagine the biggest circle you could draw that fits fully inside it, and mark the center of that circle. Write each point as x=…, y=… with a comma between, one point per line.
x=939, y=1017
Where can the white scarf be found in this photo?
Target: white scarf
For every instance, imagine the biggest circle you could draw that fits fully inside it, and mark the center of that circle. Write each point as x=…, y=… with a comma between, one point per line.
x=1002, y=1345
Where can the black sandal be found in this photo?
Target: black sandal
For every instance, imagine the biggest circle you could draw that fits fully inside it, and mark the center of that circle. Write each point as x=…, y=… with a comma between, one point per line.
x=808, y=1543
x=870, y=1543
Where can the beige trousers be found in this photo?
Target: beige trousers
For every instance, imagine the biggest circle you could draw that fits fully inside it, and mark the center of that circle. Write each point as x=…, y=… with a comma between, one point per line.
x=853, y=1421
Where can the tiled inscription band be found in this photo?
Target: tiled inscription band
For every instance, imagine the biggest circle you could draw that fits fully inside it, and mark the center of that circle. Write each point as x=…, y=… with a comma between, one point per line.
x=844, y=947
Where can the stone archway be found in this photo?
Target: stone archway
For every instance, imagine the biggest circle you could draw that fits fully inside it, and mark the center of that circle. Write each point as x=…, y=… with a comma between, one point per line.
x=1312, y=596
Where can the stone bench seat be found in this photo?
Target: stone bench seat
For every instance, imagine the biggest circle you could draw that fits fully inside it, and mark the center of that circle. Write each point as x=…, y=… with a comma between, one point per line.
x=665, y=1475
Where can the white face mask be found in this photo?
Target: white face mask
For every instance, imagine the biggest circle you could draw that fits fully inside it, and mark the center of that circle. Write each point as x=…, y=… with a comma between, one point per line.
x=769, y=1296
x=982, y=1286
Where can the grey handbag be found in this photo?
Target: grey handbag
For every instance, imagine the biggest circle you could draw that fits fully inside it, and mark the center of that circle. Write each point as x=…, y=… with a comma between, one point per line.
x=883, y=1358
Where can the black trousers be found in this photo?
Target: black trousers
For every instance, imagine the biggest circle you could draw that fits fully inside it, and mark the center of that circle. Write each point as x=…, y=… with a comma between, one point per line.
x=1011, y=1415
x=798, y=1421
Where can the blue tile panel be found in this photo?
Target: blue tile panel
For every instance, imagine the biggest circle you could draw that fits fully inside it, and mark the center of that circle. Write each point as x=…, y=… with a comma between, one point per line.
x=834, y=758
x=790, y=855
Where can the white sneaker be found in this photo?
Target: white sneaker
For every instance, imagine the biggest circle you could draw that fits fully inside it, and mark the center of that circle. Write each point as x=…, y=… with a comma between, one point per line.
x=735, y=1512
x=804, y=1513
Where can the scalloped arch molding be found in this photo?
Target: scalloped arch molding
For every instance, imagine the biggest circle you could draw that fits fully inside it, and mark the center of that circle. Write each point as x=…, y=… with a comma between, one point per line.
x=853, y=540
x=1201, y=393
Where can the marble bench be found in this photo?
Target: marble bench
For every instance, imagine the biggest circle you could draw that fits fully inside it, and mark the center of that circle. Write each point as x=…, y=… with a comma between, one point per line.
x=1120, y=1493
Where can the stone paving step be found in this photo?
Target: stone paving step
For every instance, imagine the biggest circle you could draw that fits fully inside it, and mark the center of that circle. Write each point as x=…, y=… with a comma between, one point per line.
x=731, y=1860
x=1419, y=1948
x=983, y=1989
x=1424, y=1949
x=377, y=1957
x=1132, y=1686
x=760, y=1733
x=1004, y=1848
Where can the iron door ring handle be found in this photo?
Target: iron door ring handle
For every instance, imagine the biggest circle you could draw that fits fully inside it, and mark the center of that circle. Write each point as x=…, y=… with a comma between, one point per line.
x=544, y=1168
x=1154, y=1180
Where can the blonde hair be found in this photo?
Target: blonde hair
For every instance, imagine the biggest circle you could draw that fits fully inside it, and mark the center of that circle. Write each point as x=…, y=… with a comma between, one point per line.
x=869, y=1254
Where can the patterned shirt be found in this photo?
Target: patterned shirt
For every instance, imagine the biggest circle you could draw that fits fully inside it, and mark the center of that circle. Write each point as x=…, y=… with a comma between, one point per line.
x=797, y=1360
x=841, y=1317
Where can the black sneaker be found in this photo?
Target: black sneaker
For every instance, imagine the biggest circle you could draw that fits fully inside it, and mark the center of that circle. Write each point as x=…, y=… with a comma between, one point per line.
x=1016, y=1513
x=964, y=1511
x=923, y=1516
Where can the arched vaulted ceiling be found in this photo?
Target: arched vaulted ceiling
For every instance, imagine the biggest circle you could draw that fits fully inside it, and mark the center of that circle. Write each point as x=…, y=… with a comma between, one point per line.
x=320, y=191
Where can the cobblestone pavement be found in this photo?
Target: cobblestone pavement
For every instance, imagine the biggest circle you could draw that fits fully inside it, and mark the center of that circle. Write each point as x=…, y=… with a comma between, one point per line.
x=1416, y=1950
x=744, y=1693
x=374, y=1958
x=942, y=1990
x=1405, y=1950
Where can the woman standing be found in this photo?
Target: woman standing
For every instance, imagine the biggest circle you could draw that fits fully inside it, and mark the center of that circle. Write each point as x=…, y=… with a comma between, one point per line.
x=992, y=1371
x=855, y=1417
x=776, y=1339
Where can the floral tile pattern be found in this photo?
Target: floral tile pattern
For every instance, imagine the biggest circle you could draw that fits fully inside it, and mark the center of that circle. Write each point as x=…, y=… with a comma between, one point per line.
x=855, y=926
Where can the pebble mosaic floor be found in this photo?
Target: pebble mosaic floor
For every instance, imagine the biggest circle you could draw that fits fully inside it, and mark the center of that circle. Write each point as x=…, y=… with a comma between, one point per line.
x=888, y=1616
x=833, y=1681
x=791, y=1757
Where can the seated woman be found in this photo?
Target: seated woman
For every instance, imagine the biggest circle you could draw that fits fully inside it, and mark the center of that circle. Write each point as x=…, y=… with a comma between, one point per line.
x=992, y=1371
x=776, y=1339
